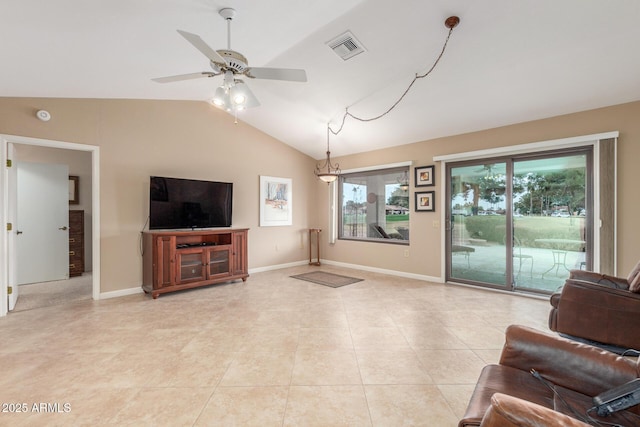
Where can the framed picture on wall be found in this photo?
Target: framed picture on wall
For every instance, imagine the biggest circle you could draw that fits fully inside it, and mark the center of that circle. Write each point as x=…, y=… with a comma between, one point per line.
x=425, y=201
x=276, y=206
x=73, y=190
x=424, y=176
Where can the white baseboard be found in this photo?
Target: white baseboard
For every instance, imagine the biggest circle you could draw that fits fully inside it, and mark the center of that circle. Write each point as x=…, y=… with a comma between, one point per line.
x=277, y=267
x=137, y=290
x=121, y=293
x=385, y=271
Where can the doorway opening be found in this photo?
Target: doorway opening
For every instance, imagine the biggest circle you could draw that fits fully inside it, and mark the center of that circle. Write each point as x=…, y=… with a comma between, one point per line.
x=17, y=146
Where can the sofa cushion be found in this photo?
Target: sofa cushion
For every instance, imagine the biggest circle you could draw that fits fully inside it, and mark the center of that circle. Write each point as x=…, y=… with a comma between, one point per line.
x=504, y=379
x=581, y=367
x=599, y=278
x=508, y=411
x=522, y=385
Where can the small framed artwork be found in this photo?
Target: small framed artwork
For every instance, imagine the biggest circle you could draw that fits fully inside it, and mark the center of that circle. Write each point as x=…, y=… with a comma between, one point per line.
x=73, y=190
x=424, y=176
x=425, y=201
x=276, y=204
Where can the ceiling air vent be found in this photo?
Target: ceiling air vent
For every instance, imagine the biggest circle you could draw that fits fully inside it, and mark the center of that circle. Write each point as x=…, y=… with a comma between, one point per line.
x=346, y=45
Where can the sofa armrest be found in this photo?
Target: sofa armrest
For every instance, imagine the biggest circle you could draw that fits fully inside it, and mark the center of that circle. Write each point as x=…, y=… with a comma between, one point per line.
x=509, y=411
x=555, y=299
x=599, y=313
x=600, y=279
x=579, y=367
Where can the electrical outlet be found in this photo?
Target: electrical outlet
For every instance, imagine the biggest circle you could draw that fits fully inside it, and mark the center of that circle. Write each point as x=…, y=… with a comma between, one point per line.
x=436, y=224
x=406, y=253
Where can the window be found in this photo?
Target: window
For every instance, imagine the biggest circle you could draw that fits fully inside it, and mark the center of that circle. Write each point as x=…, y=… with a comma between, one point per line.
x=374, y=205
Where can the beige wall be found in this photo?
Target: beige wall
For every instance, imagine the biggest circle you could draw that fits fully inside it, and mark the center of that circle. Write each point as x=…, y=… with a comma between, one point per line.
x=425, y=256
x=171, y=138
x=193, y=140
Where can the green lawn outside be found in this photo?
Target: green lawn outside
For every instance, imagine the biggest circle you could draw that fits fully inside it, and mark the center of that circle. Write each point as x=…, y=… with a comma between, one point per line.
x=527, y=229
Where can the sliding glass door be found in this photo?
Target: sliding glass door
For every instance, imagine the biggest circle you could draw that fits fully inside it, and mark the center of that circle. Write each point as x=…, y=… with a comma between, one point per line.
x=478, y=222
x=520, y=223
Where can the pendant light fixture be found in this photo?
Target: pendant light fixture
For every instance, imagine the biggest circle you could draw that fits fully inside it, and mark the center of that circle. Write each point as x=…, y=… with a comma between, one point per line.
x=327, y=172
x=404, y=181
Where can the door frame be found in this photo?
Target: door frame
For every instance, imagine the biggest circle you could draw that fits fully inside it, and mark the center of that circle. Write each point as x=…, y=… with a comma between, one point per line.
x=507, y=165
x=594, y=140
x=7, y=244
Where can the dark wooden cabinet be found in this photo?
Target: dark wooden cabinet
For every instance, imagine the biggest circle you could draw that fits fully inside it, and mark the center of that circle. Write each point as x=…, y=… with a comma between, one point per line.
x=76, y=243
x=177, y=260
x=239, y=255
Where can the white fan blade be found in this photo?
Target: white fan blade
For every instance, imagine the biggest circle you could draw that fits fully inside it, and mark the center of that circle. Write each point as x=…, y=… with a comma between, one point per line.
x=179, y=77
x=277, y=74
x=199, y=44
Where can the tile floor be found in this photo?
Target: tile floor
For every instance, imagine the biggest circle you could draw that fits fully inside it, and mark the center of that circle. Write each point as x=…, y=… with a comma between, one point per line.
x=274, y=351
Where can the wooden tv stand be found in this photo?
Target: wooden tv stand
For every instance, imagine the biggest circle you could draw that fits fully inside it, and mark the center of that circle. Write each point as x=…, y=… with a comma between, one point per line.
x=178, y=260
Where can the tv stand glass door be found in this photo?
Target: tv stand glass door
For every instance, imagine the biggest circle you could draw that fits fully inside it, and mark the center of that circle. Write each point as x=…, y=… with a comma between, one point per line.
x=219, y=261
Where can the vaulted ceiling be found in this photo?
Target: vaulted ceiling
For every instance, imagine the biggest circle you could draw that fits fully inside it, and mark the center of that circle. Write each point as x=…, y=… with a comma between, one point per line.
x=507, y=62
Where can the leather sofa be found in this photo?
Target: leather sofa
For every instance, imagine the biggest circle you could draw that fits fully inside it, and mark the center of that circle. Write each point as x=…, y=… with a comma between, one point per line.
x=598, y=307
x=570, y=374
x=509, y=411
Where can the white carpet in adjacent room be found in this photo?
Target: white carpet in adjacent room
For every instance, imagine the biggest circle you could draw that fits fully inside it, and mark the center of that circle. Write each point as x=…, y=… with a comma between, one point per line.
x=46, y=294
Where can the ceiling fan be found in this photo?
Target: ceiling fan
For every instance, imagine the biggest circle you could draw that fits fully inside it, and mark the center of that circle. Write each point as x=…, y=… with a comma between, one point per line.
x=233, y=94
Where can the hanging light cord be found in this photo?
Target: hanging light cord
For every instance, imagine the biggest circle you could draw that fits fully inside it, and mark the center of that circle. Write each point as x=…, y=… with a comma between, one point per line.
x=450, y=23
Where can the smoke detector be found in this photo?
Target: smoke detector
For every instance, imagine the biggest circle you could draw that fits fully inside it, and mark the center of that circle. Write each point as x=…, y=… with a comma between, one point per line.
x=43, y=115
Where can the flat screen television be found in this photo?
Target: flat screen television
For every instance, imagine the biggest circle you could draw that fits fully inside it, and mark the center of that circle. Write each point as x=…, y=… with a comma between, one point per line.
x=176, y=203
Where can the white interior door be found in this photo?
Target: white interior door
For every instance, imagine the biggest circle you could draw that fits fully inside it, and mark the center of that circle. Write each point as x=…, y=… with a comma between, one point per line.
x=42, y=222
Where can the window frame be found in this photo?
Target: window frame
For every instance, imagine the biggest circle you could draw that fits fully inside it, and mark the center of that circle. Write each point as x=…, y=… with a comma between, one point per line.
x=604, y=188
x=395, y=168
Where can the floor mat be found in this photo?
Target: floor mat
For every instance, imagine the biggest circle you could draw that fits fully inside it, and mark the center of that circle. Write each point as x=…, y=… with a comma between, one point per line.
x=327, y=279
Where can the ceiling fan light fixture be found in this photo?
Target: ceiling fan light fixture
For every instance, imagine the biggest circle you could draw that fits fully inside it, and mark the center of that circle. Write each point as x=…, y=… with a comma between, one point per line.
x=228, y=79
x=236, y=98
x=232, y=95
x=238, y=94
x=219, y=97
